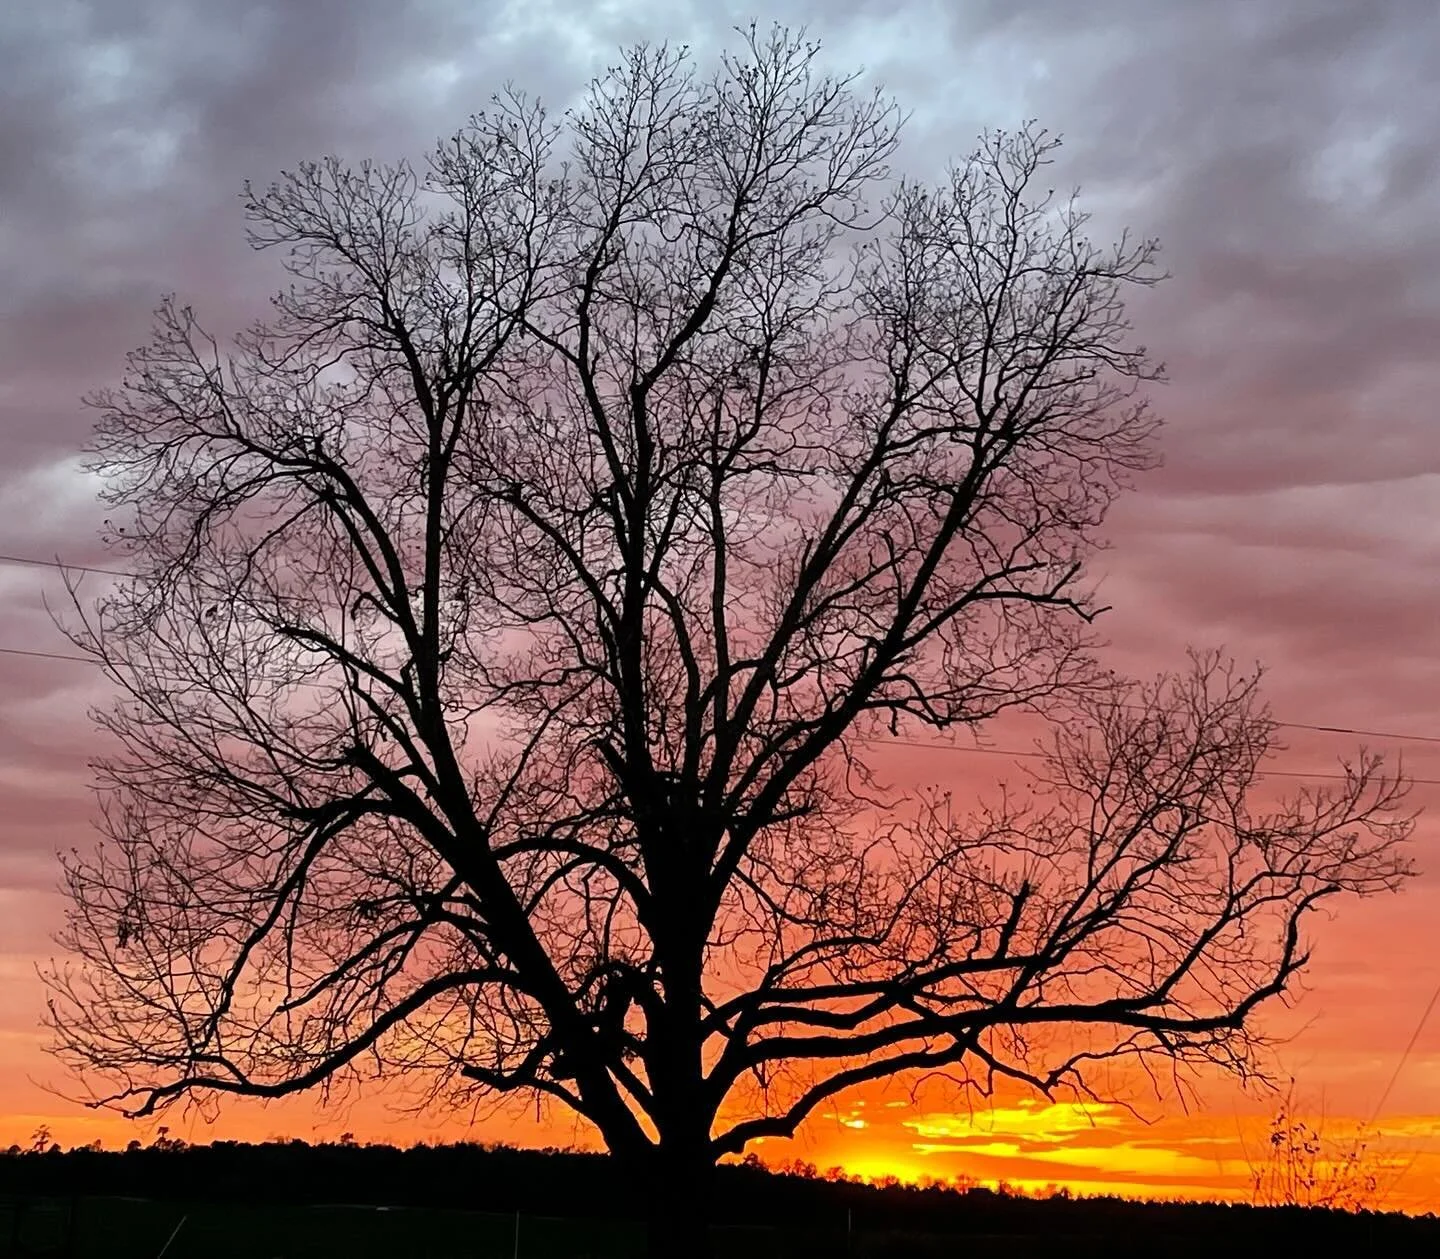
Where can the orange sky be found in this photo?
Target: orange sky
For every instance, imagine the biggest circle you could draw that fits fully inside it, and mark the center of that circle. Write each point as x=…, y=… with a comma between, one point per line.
x=887, y=1131
x=1344, y=1039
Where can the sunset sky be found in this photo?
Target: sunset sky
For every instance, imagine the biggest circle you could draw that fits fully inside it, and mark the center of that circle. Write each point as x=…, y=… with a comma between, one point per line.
x=1285, y=152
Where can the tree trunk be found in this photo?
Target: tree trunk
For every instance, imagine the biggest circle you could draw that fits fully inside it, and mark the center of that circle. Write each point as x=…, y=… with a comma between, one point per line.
x=678, y=1198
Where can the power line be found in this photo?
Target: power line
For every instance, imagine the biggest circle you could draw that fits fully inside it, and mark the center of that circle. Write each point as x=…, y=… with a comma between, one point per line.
x=1363, y=734
x=33, y=562
x=47, y=655
x=932, y=745
x=1031, y=755
x=1405, y=1054
x=36, y=562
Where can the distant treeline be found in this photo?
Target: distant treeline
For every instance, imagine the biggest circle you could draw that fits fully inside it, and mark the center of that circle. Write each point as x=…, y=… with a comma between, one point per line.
x=535, y=1182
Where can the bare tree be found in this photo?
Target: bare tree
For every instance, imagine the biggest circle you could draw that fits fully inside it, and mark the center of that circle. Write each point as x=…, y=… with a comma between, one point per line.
x=516, y=610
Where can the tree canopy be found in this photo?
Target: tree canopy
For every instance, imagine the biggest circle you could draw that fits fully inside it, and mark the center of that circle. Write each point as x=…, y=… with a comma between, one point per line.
x=519, y=610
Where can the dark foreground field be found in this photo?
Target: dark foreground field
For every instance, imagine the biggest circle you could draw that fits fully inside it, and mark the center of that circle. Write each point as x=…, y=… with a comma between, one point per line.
x=465, y=1202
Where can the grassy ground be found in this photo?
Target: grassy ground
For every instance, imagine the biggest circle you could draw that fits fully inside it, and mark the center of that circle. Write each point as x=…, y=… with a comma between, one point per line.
x=133, y=1228
x=127, y=1228
x=99, y=1227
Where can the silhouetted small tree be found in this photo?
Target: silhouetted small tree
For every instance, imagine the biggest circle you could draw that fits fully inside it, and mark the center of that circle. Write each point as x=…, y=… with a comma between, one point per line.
x=517, y=614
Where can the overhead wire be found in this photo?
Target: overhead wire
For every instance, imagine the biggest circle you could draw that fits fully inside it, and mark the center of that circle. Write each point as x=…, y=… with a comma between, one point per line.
x=62, y=566
x=47, y=655
x=936, y=745
x=1405, y=1054
x=1356, y=732
x=933, y=745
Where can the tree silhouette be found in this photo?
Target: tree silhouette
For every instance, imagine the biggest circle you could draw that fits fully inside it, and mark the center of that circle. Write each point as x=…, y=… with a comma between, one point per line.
x=518, y=613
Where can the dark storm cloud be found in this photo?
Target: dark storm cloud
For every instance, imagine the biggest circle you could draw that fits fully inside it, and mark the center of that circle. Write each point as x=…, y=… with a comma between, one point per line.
x=1285, y=152
x=130, y=128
